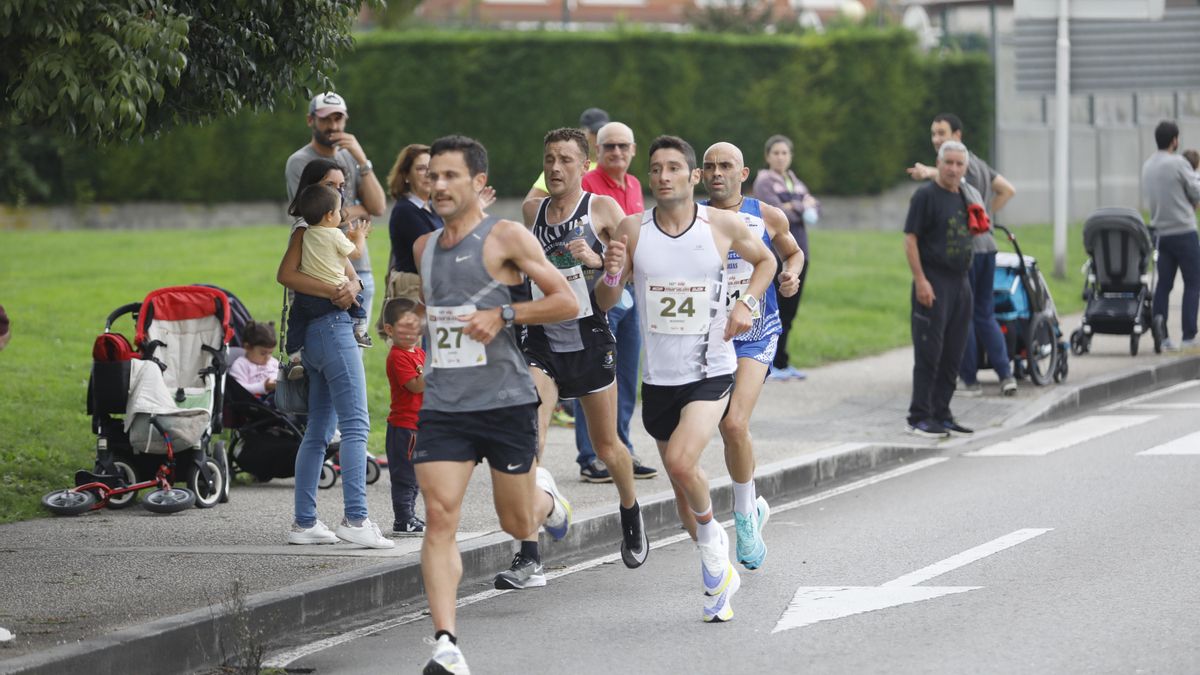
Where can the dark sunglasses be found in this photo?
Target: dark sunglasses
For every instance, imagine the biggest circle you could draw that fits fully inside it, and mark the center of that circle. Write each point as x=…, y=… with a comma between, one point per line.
x=609, y=147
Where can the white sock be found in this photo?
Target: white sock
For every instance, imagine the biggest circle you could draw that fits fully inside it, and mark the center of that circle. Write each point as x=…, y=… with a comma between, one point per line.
x=744, y=497
x=707, y=533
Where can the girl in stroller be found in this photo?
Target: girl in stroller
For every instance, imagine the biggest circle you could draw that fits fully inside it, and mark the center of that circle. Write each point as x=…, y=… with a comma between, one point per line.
x=257, y=369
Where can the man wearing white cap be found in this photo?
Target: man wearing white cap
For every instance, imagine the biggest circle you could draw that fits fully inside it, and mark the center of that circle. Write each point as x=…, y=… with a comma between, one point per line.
x=362, y=194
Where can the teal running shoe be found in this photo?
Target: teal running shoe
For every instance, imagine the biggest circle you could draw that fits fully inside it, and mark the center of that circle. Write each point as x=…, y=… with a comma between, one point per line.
x=751, y=549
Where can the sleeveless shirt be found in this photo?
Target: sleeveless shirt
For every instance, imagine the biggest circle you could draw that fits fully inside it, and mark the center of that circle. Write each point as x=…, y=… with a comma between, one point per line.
x=768, y=322
x=456, y=276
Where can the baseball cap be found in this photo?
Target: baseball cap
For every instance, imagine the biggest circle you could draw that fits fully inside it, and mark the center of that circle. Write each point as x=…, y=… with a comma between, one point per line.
x=592, y=119
x=324, y=105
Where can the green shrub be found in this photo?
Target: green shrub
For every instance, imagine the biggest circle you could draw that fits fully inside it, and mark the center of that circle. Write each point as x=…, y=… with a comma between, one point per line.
x=857, y=104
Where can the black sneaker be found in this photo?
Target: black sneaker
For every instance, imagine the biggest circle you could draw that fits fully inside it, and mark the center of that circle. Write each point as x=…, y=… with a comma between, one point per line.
x=635, y=545
x=524, y=573
x=364, y=340
x=596, y=472
x=927, y=429
x=409, y=527
x=641, y=470
x=956, y=429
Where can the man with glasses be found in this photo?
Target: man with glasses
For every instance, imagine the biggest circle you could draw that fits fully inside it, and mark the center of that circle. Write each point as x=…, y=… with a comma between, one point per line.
x=362, y=194
x=612, y=178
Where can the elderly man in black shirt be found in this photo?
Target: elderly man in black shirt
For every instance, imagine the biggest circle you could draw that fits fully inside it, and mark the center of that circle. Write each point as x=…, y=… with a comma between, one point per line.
x=937, y=243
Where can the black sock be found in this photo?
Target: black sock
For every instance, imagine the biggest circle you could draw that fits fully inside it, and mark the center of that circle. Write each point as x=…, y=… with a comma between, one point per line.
x=630, y=514
x=529, y=549
x=440, y=633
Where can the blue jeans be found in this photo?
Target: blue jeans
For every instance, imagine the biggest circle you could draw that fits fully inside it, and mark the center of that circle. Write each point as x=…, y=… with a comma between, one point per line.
x=625, y=328
x=1179, y=252
x=337, y=397
x=368, y=294
x=983, y=326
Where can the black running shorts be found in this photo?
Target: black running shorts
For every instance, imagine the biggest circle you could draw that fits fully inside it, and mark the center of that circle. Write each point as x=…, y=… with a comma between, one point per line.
x=578, y=373
x=662, y=405
x=506, y=437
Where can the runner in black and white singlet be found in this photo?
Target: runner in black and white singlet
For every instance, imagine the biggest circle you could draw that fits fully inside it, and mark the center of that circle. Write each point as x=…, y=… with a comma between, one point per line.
x=575, y=358
x=676, y=255
x=723, y=172
x=480, y=402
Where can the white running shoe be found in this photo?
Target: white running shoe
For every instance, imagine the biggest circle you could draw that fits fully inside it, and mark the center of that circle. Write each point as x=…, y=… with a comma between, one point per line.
x=447, y=659
x=559, y=520
x=317, y=534
x=367, y=534
x=721, y=580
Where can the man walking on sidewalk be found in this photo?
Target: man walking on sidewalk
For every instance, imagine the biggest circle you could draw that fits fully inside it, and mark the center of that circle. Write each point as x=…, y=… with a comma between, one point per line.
x=612, y=178
x=480, y=402
x=996, y=191
x=723, y=172
x=937, y=243
x=1172, y=193
x=676, y=258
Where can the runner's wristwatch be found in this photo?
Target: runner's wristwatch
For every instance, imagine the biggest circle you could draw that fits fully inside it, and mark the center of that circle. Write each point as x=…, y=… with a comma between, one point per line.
x=751, y=302
x=508, y=314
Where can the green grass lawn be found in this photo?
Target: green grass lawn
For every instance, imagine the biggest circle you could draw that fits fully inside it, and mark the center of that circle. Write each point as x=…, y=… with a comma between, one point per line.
x=59, y=286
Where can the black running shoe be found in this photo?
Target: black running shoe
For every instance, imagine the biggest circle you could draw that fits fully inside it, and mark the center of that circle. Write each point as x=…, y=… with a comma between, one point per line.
x=524, y=573
x=956, y=429
x=635, y=545
x=595, y=472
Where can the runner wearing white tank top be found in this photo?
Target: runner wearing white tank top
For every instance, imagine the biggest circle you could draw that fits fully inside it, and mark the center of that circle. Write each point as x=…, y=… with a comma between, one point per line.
x=676, y=255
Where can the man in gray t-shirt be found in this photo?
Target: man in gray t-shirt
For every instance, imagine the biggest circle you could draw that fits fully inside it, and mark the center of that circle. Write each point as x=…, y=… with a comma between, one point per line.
x=363, y=195
x=1172, y=191
x=996, y=191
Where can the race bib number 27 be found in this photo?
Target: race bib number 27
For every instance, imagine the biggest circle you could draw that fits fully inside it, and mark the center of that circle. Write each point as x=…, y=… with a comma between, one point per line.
x=448, y=346
x=678, y=306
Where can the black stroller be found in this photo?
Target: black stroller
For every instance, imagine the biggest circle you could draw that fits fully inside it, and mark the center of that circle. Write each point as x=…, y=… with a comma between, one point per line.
x=1120, y=280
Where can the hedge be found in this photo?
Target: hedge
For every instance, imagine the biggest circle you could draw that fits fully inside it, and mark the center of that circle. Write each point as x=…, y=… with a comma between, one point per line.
x=856, y=104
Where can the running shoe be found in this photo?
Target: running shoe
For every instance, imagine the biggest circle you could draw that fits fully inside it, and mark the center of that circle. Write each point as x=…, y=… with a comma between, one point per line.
x=447, y=659
x=523, y=573
x=317, y=534
x=596, y=471
x=412, y=526
x=561, y=418
x=1008, y=386
x=970, y=389
x=751, y=549
x=365, y=534
x=639, y=470
x=778, y=374
x=719, y=587
x=635, y=545
x=956, y=429
x=559, y=520
x=795, y=374
x=927, y=429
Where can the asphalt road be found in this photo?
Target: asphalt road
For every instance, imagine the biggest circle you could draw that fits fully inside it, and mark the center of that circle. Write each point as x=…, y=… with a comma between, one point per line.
x=1024, y=552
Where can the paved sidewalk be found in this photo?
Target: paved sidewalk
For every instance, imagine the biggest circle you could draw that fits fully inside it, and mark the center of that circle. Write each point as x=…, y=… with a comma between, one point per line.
x=66, y=580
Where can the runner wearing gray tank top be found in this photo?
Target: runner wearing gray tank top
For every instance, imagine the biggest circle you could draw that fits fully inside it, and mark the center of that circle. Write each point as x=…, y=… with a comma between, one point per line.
x=480, y=402
x=676, y=257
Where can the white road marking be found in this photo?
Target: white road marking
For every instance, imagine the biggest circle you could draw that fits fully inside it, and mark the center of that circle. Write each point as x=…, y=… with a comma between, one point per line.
x=813, y=604
x=1066, y=435
x=1186, y=445
x=1163, y=406
x=1182, y=386
x=284, y=658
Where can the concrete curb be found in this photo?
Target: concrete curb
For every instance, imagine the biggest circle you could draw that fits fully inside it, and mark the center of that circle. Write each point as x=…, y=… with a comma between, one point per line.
x=204, y=637
x=197, y=639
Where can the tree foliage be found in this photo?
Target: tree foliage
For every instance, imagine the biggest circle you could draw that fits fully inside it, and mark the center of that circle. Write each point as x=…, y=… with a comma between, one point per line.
x=100, y=70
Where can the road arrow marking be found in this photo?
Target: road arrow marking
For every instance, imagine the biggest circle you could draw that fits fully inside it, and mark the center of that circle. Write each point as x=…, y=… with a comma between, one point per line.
x=1047, y=441
x=813, y=604
x=1187, y=445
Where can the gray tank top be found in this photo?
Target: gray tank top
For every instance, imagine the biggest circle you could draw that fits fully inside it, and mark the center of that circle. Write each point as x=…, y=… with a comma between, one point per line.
x=456, y=276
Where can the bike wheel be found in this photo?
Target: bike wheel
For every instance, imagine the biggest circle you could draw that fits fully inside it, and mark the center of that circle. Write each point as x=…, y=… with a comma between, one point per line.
x=69, y=502
x=1041, y=350
x=208, y=493
x=171, y=500
x=372, y=471
x=126, y=472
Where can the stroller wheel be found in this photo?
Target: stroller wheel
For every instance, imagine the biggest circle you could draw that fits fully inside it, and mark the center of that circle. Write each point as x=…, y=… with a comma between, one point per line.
x=1041, y=350
x=171, y=500
x=1079, y=342
x=1158, y=330
x=69, y=502
x=1134, y=338
x=328, y=476
x=372, y=470
x=1060, y=373
x=207, y=492
x=130, y=477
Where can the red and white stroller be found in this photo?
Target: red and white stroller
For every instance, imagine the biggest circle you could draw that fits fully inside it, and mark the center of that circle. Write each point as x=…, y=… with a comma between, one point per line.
x=154, y=406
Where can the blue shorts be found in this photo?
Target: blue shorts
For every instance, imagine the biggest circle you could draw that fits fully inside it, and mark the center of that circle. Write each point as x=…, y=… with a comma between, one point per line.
x=762, y=350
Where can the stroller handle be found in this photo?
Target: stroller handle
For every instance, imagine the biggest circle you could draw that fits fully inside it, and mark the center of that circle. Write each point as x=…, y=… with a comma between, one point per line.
x=131, y=308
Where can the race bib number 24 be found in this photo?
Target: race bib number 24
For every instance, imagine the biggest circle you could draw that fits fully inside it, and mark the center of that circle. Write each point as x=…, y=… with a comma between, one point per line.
x=678, y=306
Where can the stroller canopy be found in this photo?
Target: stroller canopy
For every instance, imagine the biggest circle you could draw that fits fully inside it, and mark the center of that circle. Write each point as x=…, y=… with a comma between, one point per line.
x=1119, y=244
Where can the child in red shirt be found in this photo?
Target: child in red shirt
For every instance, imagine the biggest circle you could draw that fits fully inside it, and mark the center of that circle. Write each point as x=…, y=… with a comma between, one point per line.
x=405, y=371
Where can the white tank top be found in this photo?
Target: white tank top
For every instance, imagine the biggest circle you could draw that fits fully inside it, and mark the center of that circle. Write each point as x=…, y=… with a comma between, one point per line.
x=680, y=287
